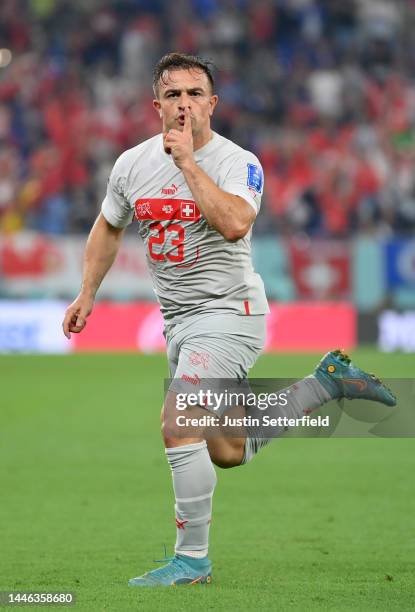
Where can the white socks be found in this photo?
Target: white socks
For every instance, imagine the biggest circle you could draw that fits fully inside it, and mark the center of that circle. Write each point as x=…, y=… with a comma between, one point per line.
x=304, y=396
x=194, y=480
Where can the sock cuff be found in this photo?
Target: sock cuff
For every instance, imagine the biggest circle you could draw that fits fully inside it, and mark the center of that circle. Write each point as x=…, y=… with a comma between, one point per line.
x=325, y=394
x=186, y=448
x=195, y=558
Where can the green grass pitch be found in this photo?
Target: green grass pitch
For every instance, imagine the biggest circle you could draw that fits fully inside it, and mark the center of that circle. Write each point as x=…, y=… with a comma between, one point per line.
x=86, y=501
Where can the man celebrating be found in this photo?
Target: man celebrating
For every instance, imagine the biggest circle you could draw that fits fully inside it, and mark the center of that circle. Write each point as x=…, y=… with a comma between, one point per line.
x=195, y=195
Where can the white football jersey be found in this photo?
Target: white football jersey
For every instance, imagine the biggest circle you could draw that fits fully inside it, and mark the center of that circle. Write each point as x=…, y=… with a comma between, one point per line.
x=194, y=269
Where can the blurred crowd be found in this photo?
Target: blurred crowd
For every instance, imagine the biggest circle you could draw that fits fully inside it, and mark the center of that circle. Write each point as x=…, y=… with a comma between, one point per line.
x=322, y=90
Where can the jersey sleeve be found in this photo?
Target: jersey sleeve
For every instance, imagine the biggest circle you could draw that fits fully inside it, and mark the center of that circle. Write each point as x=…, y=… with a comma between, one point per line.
x=115, y=207
x=245, y=179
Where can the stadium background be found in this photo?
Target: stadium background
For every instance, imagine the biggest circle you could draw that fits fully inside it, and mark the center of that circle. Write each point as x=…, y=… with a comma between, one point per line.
x=324, y=93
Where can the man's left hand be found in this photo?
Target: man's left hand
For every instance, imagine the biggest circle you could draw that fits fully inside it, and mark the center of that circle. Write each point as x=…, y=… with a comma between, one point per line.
x=180, y=143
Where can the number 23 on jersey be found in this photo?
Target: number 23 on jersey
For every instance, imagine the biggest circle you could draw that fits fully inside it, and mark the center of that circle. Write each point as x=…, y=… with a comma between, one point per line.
x=166, y=209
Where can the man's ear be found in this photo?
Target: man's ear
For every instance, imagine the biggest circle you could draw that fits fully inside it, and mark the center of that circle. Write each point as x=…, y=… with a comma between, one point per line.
x=157, y=106
x=212, y=104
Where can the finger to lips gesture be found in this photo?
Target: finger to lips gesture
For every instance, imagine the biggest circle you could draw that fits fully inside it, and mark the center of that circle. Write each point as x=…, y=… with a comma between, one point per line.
x=180, y=143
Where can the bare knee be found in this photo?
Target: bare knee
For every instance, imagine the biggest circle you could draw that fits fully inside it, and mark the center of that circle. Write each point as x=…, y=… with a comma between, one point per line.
x=226, y=455
x=171, y=438
x=174, y=435
x=226, y=462
x=170, y=432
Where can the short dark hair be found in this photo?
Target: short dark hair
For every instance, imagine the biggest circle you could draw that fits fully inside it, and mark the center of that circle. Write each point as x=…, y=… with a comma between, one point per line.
x=181, y=61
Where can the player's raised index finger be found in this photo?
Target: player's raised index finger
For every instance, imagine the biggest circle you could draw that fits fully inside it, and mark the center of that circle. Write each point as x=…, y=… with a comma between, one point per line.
x=187, y=122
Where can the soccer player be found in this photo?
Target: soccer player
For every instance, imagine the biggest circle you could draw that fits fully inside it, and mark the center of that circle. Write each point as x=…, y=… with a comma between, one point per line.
x=195, y=196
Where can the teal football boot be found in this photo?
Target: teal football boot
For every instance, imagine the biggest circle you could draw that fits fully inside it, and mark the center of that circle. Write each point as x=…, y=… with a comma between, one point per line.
x=179, y=570
x=341, y=379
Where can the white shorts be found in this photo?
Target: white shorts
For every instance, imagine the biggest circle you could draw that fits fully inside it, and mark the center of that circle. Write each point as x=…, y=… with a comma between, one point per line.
x=222, y=345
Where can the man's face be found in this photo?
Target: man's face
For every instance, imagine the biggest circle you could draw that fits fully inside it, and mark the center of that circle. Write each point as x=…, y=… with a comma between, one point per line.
x=181, y=89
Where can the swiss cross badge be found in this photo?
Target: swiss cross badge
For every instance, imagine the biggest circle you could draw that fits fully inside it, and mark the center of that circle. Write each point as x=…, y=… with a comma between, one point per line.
x=188, y=210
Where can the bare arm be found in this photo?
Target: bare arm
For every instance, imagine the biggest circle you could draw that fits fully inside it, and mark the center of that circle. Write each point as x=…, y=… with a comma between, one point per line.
x=229, y=214
x=101, y=249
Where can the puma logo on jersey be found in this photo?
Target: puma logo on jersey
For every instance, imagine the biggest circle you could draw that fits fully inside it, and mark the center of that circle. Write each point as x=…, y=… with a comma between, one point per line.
x=194, y=380
x=170, y=190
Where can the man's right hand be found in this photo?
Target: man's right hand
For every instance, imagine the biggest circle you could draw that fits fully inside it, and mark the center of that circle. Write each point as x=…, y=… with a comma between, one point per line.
x=76, y=315
x=101, y=249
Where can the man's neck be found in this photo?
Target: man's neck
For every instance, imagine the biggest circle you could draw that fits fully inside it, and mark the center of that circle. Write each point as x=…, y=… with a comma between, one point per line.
x=202, y=140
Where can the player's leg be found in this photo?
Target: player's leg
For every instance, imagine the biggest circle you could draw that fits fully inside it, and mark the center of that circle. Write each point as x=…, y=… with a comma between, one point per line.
x=335, y=377
x=233, y=351
x=190, y=462
x=196, y=351
x=194, y=481
x=222, y=348
x=231, y=447
x=227, y=446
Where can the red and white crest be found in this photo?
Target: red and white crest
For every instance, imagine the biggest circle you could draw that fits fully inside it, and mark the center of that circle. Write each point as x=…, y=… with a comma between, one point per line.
x=159, y=209
x=199, y=359
x=187, y=210
x=168, y=209
x=143, y=209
